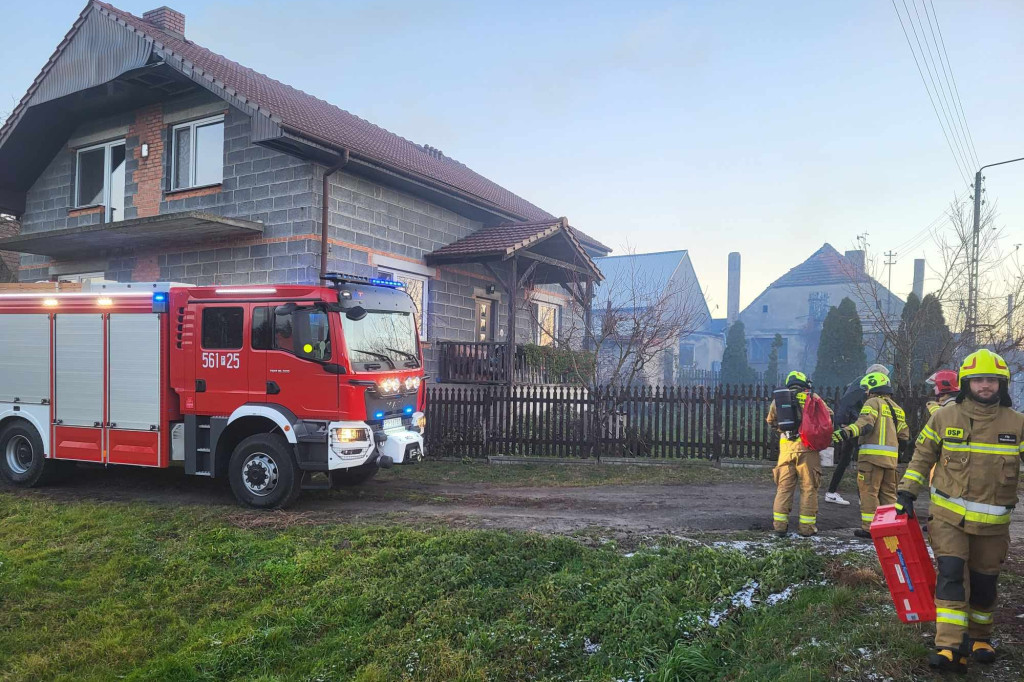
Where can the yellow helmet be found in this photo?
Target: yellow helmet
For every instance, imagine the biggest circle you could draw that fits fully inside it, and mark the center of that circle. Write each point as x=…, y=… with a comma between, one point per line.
x=797, y=379
x=877, y=382
x=984, y=363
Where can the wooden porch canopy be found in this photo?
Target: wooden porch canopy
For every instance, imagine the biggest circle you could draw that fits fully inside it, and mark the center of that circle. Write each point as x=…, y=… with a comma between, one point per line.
x=544, y=252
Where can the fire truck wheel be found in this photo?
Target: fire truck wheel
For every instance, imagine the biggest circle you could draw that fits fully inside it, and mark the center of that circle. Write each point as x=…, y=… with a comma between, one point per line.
x=343, y=478
x=263, y=472
x=22, y=461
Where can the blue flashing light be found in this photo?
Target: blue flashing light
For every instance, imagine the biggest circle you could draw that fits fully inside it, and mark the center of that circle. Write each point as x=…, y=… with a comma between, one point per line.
x=160, y=304
x=379, y=414
x=408, y=409
x=387, y=283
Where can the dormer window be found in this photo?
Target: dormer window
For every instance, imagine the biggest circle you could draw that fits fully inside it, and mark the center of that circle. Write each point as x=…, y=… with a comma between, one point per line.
x=198, y=153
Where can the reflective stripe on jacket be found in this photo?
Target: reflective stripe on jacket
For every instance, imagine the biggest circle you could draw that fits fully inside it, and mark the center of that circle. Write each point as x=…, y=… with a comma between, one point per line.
x=881, y=426
x=975, y=450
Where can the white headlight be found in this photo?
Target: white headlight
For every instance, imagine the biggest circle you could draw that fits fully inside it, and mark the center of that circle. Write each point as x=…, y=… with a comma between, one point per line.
x=412, y=383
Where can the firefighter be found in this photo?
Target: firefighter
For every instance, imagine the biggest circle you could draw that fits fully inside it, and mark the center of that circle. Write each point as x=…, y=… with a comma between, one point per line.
x=974, y=445
x=946, y=385
x=847, y=412
x=797, y=463
x=883, y=431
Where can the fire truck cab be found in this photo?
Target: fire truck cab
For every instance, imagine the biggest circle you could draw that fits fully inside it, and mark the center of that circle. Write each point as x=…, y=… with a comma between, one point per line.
x=277, y=388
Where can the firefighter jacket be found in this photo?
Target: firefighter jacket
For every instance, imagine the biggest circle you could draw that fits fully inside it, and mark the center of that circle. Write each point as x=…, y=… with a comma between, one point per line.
x=975, y=450
x=934, y=405
x=790, y=445
x=881, y=426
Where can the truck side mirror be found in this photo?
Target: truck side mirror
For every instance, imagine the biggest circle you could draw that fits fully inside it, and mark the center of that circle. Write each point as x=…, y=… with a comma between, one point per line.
x=356, y=313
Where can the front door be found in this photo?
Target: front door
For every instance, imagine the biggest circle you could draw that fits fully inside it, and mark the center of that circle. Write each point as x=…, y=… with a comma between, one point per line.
x=484, y=319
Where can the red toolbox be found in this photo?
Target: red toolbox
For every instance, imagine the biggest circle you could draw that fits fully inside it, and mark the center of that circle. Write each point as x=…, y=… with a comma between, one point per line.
x=906, y=564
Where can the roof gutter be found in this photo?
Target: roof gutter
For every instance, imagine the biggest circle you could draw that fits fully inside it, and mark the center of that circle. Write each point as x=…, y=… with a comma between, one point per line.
x=325, y=216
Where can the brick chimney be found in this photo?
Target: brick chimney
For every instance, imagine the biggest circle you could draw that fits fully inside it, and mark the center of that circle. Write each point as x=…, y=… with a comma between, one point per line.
x=856, y=259
x=166, y=18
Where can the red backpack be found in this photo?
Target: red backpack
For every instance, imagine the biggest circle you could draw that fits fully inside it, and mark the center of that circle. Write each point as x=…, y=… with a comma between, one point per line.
x=816, y=424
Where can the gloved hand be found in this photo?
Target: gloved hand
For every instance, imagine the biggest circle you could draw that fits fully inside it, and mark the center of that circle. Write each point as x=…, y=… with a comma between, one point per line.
x=839, y=435
x=905, y=503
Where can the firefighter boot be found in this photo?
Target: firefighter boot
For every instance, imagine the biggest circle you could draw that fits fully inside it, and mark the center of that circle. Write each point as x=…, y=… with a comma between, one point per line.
x=947, y=660
x=982, y=651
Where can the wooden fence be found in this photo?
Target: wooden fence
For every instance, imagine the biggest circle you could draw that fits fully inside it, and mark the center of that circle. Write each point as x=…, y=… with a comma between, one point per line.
x=694, y=422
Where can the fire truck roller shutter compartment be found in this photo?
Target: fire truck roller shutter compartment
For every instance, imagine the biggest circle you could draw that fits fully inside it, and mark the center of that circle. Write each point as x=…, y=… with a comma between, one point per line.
x=25, y=371
x=78, y=377
x=133, y=362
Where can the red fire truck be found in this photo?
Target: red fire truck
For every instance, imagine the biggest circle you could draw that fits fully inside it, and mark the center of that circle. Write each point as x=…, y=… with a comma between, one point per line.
x=277, y=388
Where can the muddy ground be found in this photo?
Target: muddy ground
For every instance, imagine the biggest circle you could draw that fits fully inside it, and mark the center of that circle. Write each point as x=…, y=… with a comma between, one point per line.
x=622, y=509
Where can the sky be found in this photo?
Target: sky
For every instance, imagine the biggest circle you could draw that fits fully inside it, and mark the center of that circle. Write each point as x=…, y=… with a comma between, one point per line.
x=761, y=127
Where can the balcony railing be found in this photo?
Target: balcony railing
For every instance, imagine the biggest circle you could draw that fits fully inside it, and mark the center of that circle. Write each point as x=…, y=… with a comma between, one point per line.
x=487, y=363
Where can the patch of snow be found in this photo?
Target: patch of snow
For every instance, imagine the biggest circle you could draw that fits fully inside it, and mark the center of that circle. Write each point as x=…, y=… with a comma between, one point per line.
x=590, y=648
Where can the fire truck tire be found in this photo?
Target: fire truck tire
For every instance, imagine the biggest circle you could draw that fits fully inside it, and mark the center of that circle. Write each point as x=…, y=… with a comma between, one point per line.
x=263, y=472
x=22, y=461
x=344, y=478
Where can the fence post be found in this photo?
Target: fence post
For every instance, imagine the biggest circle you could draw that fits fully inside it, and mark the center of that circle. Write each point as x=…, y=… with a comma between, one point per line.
x=716, y=421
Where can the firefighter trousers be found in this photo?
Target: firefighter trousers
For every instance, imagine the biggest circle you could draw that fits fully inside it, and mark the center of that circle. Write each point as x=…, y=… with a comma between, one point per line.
x=877, y=486
x=965, y=591
x=803, y=468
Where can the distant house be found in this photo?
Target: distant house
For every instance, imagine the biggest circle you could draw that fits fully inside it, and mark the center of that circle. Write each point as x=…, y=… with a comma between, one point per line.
x=794, y=306
x=138, y=155
x=634, y=280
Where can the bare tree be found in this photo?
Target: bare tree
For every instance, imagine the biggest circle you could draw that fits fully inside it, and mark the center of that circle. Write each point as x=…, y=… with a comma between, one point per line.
x=635, y=325
x=1000, y=282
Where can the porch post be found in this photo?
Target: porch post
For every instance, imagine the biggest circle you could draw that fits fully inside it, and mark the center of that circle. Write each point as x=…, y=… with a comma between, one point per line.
x=588, y=316
x=513, y=295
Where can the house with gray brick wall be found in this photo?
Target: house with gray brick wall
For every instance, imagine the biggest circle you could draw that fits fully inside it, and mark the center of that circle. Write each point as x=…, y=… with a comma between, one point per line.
x=138, y=155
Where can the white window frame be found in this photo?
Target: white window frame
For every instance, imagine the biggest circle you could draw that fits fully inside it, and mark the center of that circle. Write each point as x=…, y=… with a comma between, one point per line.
x=106, y=147
x=557, y=310
x=192, y=138
x=397, y=274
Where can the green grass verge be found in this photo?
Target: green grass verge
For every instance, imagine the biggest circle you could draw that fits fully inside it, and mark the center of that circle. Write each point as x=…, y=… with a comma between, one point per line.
x=98, y=591
x=539, y=474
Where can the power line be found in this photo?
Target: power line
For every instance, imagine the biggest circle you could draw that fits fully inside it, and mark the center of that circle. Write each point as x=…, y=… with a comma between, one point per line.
x=952, y=77
x=919, y=237
x=948, y=91
x=925, y=57
x=959, y=167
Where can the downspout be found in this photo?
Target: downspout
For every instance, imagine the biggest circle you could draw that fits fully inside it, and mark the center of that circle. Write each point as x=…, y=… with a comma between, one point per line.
x=325, y=216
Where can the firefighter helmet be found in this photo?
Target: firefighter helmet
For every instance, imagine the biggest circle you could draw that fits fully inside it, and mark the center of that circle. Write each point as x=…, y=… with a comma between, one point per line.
x=984, y=363
x=944, y=382
x=797, y=379
x=876, y=382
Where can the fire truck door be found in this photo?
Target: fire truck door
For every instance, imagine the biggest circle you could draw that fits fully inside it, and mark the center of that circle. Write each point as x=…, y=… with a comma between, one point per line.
x=78, y=372
x=222, y=381
x=133, y=389
x=302, y=385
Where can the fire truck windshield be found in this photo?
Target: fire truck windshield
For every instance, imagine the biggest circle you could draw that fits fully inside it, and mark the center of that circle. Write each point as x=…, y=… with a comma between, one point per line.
x=381, y=340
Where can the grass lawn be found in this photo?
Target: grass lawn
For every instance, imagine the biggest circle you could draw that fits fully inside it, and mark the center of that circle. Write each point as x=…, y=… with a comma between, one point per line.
x=692, y=472
x=99, y=591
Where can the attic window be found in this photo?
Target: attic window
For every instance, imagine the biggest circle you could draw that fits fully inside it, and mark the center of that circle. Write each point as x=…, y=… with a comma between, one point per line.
x=198, y=153
x=764, y=308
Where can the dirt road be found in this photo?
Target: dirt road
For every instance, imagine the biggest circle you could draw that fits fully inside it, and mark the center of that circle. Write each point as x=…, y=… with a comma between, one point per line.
x=644, y=509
